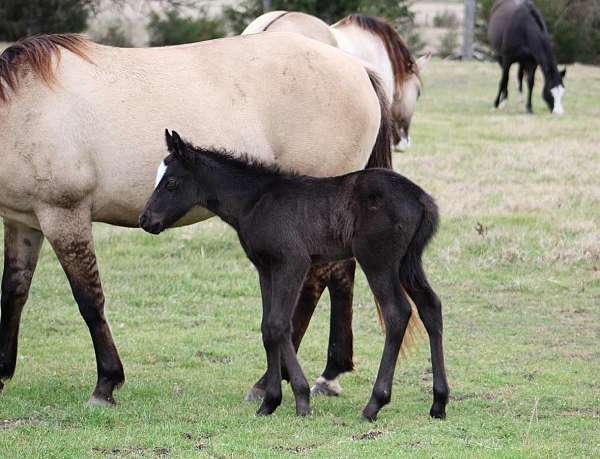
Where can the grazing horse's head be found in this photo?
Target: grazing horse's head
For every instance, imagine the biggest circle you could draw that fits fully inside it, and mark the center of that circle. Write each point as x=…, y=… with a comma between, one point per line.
x=554, y=91
x=404, y=104
x=175, y=191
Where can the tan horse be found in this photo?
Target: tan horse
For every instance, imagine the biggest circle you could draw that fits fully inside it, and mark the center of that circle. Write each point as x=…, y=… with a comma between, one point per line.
x=371, y=39
x=82, y=136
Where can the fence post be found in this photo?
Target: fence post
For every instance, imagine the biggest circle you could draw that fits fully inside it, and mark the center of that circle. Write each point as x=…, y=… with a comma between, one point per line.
x=468, y=30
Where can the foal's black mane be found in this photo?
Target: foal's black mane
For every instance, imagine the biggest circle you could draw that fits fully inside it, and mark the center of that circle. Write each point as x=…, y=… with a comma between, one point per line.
x=240, y=162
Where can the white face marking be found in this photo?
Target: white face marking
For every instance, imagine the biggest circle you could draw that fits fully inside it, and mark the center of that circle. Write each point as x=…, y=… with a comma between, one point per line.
x=558, y=92
x=160, y=173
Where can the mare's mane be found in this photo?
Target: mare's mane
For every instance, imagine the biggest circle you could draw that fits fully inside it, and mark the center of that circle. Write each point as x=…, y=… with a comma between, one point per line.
x=403, y=64
x=37, y=52
x=244, y=163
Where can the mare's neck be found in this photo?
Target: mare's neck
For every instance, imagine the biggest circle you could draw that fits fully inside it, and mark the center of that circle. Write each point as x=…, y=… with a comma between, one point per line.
x=226, y=189
x=370, y=48
x=548, y=64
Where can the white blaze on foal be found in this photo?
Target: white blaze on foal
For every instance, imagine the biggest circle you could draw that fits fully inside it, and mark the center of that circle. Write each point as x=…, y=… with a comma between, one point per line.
x=160, y=173
x=558, y=92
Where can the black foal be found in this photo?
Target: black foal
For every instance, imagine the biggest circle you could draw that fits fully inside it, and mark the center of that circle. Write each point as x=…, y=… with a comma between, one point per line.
x=286, y=222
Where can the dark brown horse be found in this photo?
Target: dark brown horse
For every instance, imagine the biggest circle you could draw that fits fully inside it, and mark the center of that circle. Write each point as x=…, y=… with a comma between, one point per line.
x=518, y=33
x=286, y=222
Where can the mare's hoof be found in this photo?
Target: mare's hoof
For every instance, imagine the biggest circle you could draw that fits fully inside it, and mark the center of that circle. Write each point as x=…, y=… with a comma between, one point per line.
x=254, y=394
x=325, y=387
x=101, y=401
x=437, y=413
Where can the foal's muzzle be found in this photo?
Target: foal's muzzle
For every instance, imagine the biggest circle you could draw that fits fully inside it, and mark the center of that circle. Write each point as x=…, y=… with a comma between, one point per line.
x=150, y=226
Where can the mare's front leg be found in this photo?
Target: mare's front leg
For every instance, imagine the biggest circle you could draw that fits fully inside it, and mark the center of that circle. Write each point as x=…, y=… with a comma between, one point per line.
x=530, y=83
x=21, y=249
x=396, y=311
x=285, y=283
x=69, y=231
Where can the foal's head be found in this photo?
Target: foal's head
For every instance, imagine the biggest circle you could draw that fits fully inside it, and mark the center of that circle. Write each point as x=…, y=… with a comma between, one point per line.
x=176, y=190
x=554, y=90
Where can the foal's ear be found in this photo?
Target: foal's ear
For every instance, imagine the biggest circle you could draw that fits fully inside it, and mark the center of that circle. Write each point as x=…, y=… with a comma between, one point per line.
x=169, y=140
x=563, y=72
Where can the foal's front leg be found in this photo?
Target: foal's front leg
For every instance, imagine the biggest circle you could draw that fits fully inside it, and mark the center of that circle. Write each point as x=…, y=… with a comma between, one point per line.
x=284, y=283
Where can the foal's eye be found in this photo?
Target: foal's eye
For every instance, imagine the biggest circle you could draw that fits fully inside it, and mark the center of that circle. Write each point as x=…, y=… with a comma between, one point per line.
x=171, y=184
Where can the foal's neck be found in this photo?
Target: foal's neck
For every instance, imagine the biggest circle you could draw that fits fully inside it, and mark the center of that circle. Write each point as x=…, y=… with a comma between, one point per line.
x=228, y=187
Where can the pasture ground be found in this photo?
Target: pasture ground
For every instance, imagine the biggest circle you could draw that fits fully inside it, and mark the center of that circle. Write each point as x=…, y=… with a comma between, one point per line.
x=516, y=263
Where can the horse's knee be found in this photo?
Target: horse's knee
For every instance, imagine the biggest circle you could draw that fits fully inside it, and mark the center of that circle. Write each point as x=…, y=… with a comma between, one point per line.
x=15, y=285
x=275, y=330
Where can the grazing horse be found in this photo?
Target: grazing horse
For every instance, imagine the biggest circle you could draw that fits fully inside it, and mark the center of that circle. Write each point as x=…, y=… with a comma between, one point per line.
x=371, y=39
x=375, y=215
x=81, y=139
x=377, y=43
x=518, y=33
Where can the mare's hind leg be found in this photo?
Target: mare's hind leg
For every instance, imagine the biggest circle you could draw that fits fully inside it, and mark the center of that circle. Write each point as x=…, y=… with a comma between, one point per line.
x=430, y=311
x=520, y=75
x=21, y=249
x=396, y=311
x=503, y=87
x=69, y=231
x=339, y=352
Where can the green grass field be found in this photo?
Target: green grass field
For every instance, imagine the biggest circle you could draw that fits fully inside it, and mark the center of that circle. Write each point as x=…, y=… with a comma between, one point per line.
x=516, y=263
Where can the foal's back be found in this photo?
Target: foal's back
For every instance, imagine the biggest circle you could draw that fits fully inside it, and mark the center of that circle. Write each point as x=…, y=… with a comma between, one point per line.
x=333, y=217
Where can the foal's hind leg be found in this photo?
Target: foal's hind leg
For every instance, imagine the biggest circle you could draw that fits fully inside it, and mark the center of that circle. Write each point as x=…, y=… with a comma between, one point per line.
x=70, y=234
x=396, y=311
x=21, y=249
x=430, y=311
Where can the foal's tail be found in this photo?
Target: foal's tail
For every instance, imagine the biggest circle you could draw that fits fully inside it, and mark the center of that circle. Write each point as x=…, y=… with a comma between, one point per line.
x=412, y=276
x=381, y=155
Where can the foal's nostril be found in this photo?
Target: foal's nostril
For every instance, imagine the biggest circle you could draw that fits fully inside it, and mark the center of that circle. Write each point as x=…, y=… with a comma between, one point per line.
x=143, y=220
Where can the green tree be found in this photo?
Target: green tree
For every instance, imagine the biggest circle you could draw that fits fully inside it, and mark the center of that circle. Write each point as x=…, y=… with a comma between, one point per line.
x=20, y=18
x=174, y=29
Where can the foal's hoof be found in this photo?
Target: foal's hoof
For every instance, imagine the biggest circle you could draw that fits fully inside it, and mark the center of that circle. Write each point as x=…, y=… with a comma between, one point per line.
x=437, y=412
x=303, y=410
x=326, y=387
x=254, y=394
x=1, y=386
x=369, y=414
x=265, y=410
x=101, y=401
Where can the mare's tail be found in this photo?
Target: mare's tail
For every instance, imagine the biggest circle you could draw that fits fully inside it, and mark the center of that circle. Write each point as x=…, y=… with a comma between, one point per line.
x=381, y=155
